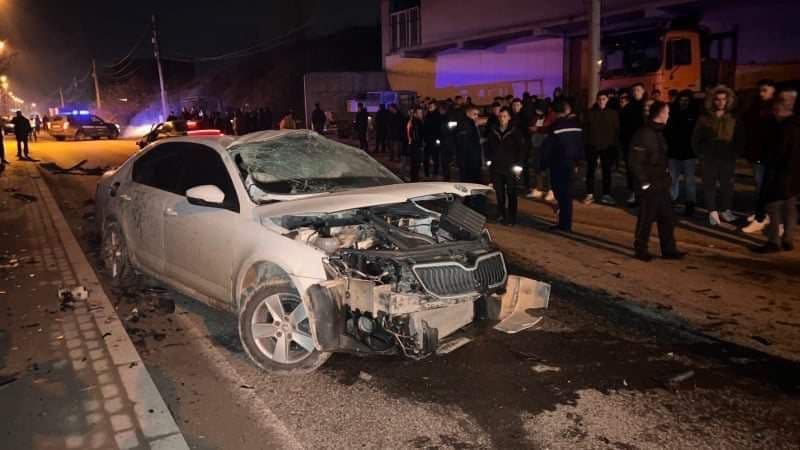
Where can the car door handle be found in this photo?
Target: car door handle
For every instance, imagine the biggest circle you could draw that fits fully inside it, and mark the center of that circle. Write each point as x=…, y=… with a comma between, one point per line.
x=170, y=212
x=125, y=197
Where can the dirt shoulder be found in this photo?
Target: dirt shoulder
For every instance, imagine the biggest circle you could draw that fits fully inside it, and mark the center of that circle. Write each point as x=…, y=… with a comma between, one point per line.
x=722, y=289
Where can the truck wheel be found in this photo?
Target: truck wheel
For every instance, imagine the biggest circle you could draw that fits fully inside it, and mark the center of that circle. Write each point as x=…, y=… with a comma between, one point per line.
x=275, y=331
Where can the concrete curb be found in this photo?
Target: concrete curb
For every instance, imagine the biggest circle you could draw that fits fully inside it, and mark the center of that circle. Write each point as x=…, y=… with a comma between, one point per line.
x=154, y=418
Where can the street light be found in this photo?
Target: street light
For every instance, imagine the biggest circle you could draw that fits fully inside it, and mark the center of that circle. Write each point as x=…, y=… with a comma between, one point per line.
x=2, y=45
x=3, y=78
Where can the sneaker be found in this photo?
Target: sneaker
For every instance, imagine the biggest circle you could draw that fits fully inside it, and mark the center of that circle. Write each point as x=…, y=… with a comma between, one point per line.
x=550, y=196
x=535, y=193
x=608, y=200
x=728, y=216
x=632, y=199
x=589, y=199
x=676, y=255
x=713, y=219
x=644, y=256
x=755, y=226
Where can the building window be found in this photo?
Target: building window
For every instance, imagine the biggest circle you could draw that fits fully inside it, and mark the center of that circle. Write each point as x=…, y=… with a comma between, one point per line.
x=406, y=30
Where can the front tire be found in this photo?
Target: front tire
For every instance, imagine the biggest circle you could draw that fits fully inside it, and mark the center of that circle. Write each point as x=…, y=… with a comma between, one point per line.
x=80, y=135
x=275, y=331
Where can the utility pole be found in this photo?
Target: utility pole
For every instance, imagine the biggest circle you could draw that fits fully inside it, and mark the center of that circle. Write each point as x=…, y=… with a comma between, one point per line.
x=160, y=72
x=96, y=86
x=595, y=61
x=61, y=95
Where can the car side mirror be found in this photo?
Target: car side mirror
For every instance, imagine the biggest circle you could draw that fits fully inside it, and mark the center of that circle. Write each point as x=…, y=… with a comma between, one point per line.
x=205, y=195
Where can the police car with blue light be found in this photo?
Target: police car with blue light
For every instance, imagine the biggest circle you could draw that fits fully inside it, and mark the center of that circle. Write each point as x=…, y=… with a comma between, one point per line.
x=80, y=124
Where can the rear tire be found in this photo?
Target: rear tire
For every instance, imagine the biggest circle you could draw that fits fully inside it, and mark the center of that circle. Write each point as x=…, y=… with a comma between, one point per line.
x=274, y=330
x=114, y=254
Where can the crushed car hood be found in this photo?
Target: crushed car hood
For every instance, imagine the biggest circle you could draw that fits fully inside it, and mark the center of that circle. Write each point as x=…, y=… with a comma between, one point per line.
x=366, y=197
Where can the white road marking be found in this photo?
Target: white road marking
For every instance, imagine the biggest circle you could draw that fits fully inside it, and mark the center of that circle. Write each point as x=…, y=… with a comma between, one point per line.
x=158, y=425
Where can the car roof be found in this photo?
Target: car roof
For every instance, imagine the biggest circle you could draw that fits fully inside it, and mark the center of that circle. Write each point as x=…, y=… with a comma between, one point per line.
x=260, y=136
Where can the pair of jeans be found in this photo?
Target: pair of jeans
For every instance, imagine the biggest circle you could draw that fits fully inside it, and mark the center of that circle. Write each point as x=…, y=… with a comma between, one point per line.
x=607, y=158
x=782, y=212
x=561, y=182
x=22, y=147
x=687, y=168
x=505, y=186
x=655, y=206
x=758, y=177
x=718, y=172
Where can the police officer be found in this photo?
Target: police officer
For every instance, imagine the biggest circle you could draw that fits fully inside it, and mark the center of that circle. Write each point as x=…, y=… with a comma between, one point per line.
x=649, y=167
x=562, y=148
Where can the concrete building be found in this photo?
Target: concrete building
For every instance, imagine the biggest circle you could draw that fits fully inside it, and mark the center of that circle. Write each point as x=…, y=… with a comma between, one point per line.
x=483, y=49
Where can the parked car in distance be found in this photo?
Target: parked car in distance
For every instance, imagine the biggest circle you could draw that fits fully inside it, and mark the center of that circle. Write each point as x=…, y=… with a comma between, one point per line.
x=312, y=244
x=79, y=125
x=175, y=128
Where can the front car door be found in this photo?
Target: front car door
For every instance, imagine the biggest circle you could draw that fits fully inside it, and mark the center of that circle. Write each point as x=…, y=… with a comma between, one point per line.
x=200, y=240
x=153, y=181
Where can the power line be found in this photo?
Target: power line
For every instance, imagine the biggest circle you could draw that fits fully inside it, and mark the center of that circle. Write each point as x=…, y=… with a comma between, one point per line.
x=247, y=51
x=133, y=50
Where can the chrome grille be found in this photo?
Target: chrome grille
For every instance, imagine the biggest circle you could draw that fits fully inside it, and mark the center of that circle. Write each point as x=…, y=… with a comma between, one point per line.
x=452, y=279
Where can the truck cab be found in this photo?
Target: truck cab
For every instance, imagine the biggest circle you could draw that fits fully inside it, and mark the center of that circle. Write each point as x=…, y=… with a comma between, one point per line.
x=669, y=61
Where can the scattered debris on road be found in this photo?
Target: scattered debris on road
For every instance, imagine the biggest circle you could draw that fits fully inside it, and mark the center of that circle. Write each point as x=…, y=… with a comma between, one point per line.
x=681, y=377
x=68, y=296
x=77, y=169
x=761, y=340
x=364, y=376
x=542, y=368
x=452, y=345
x=522, y=294
x=27, y=198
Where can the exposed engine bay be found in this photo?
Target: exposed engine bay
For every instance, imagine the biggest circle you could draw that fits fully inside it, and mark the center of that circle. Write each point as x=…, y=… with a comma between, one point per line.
x=401, y=277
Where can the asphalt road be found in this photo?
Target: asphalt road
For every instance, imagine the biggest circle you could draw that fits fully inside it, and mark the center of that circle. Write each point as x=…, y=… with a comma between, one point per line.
x=592, y=375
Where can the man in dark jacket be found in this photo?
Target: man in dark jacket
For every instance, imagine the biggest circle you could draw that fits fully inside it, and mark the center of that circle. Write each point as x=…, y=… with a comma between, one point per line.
x=717, y=139
x=432, y=130
x=317, y=118
x=3, y=161
x=631, y=119
x=362, y=126
x=682, y=158
x=756, y=121
x=782, y=176
x=396, y=132
x=648, y=161
x=561, y=149
x=470, y=145
x=453, y=124
x=416, y=142
x=22, y=130
x=381, y=128
x=505, y=148
x=602, y=141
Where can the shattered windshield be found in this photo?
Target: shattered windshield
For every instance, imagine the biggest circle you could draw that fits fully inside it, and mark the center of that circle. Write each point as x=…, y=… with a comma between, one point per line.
x=305, y=163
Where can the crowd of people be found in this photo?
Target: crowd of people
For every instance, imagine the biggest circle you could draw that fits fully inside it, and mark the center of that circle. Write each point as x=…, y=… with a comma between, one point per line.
x=536, y=146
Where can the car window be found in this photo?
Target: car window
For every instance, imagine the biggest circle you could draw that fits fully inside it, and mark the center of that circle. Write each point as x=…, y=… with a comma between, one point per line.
x=201, y=166
x=160, y=168
x=97, y=121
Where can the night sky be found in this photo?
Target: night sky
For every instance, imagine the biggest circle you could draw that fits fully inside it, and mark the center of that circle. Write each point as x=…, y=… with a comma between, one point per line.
x=56, y=40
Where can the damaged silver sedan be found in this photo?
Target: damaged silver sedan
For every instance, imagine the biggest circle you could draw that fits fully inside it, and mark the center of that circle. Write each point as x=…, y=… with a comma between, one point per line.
x=315, y=246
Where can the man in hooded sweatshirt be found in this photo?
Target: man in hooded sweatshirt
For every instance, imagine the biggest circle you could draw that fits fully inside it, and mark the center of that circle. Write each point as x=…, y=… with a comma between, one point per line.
x=716, y=139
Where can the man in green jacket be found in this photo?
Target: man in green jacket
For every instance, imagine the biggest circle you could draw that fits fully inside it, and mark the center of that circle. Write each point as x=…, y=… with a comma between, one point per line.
x=716, y=139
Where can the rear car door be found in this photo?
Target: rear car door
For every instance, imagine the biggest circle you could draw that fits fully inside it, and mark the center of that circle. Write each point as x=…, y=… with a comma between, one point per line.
x=199, y=239
x=154, y=181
